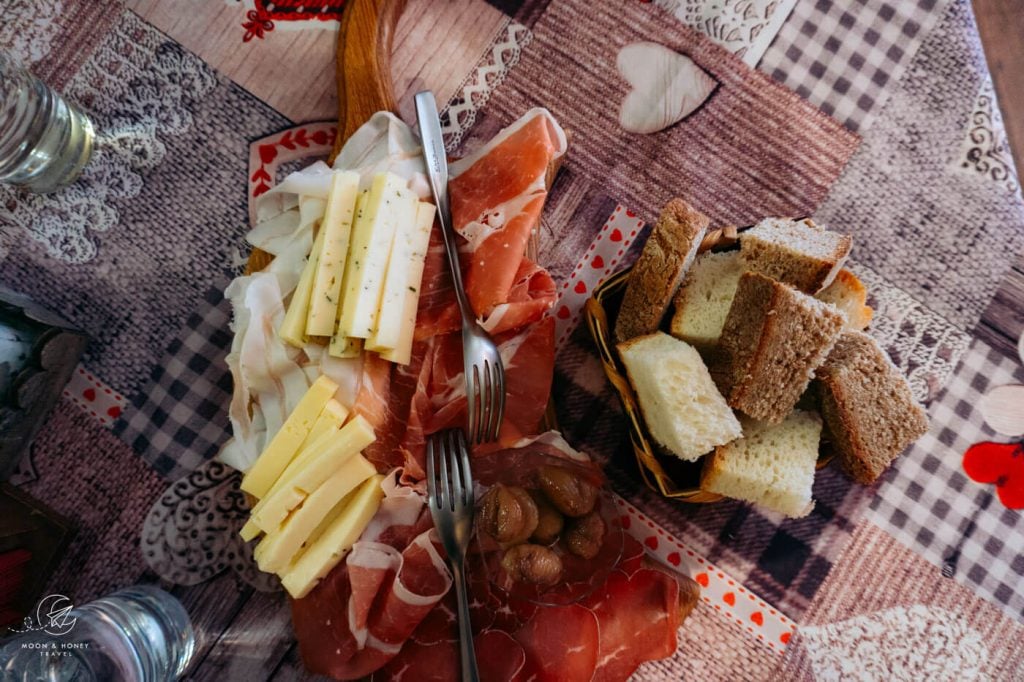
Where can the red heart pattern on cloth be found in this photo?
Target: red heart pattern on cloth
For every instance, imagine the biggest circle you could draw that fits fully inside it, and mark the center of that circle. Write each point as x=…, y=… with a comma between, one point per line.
x=1001, y=464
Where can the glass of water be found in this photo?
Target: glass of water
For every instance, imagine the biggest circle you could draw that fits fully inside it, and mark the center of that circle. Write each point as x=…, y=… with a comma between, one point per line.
x=138, y=634
x=44, y=141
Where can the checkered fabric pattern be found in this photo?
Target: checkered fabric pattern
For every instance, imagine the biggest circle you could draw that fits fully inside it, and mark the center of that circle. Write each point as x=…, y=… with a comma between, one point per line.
x=929, y=504
x=179, y=419
x=840, y=56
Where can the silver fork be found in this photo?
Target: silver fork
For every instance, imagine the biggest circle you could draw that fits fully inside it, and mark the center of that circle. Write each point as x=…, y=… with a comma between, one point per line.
x=481, y=362
x=450, y=493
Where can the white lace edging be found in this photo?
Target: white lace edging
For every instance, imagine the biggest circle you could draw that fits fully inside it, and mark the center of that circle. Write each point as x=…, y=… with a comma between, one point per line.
x=136, y=88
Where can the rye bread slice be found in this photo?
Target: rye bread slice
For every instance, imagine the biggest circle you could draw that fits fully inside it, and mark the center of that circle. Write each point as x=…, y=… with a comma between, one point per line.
x=659, y=271
x=868, y=407
x=773, y=339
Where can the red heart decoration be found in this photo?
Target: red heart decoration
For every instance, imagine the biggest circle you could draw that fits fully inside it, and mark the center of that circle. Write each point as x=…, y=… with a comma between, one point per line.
x=729, y=598
x=702, y=579
x=597, y=263
x=580, y=287
x=652, y=542
x=260, y=189
x=261, y=174
x=616, y=235
x=320, y=137
x=630, y=214
x=626, y=521
x=268, y=153
x=999, y=463
x=784, y=637
x=564, y=313
x=674, y=558
x=89, y=394
x=114, y=412
x=757, y=617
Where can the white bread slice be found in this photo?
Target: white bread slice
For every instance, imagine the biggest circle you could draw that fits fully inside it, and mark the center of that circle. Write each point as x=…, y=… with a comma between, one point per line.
x=795, y=252
x=683, y=409
x=772, y=465
x=703, y=302
x=850, y=296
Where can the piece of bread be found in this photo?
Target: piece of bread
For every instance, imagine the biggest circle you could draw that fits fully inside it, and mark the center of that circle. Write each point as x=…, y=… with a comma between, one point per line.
x=850, y=296
x=703, y=301
x=868, y=407
x=796, y=252
x=660, y=269
x=683, y=410
x=773, y=339
x=772, y=465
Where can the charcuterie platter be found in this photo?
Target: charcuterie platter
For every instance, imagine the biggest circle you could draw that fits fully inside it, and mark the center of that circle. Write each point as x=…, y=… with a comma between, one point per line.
x=347, y=356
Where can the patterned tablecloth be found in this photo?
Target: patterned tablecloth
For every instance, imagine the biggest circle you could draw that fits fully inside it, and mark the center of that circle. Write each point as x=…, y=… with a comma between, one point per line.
x=877, y=117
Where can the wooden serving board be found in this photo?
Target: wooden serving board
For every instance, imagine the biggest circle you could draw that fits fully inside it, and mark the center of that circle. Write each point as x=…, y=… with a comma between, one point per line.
x=363, y=75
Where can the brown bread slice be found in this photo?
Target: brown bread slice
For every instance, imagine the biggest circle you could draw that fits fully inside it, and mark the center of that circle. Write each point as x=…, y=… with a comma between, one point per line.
x=659, y=271
x=773, y=339
x=796, y=252
x=868, y=407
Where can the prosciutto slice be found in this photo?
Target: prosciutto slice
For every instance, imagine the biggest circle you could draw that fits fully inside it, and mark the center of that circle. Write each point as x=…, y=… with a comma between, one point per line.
x=360, y=615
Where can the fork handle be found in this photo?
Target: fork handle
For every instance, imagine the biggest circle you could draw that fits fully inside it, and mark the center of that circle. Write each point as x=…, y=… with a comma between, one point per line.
x=467, y=655
x=437, y=174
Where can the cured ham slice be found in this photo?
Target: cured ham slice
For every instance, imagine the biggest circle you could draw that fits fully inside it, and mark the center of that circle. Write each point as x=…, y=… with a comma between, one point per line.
x=637, y=617
x=497, y=195
x=358, y=618
x=561, y=644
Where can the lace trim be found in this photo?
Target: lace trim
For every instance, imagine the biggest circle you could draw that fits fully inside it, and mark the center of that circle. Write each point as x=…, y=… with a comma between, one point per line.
x=906, y=643
x=460, y=113
x=136, y=87
x=744, y=27
x=985, y=149
x=923, y=344
x=191, y=533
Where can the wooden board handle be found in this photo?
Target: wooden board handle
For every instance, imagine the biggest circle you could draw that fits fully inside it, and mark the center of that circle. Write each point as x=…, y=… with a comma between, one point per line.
x=364, y=63
x=363, y=75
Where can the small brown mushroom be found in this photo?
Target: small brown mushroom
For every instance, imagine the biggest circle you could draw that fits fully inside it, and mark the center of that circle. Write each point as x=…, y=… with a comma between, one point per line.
x=585, y=535
x=570, y=494
x=508, y=514
x=549, y=520
x=532, y=564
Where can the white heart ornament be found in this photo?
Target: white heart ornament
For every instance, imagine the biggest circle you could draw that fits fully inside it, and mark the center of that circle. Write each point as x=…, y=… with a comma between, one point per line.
x=667, y=87
x=1002, y=408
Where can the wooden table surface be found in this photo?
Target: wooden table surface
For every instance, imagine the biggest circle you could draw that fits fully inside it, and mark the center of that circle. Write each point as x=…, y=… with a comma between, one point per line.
x=1001, y=25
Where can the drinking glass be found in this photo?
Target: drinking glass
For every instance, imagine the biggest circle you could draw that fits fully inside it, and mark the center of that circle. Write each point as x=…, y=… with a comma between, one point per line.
x=138, y=634
x=44, y=141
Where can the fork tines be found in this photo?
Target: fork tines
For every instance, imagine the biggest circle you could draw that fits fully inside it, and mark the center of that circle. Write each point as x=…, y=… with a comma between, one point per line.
x=449, y=478
x=486, y=399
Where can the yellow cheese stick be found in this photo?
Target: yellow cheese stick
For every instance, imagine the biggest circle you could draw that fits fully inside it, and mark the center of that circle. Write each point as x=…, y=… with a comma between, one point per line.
x=328, y=423
x=279, y=453
x=401, y=350
x=399, y=272
x=280, y=546
x=332, y=541
x=342, y=346
x=372, y=237
x=352, y=438
x=293, y=328
x=336, y=229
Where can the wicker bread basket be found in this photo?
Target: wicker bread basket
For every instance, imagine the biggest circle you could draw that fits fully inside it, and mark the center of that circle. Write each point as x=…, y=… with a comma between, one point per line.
x=661, y=471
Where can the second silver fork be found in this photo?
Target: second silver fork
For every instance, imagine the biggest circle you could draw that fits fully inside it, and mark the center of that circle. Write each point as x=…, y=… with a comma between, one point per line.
x=485, y=374
x=451, y=498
